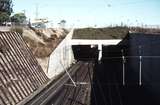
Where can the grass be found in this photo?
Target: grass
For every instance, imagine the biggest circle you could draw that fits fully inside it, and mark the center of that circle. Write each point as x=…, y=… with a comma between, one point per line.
x=101, y=33
x=117, y=32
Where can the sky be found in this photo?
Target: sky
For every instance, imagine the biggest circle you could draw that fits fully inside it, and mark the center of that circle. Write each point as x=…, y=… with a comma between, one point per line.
x=92, y=13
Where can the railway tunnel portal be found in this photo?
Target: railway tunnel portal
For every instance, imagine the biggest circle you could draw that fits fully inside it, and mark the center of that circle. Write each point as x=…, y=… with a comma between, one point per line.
x=127, y=74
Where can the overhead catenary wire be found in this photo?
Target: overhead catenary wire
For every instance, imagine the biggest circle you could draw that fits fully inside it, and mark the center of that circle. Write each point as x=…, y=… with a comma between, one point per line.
x=68, y=74
x=126, y=57
x=73, y=94
x=81, y=87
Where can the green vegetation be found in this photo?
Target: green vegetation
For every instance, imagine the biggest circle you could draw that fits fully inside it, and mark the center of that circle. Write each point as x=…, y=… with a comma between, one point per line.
x=118, y=32
x=101, y=33
x=62, y=23
x=4, y=17
x=5, y=10
x=18, y=18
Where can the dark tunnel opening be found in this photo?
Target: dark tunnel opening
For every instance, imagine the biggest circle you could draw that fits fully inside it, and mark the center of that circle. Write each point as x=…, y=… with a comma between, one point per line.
x=85, y=52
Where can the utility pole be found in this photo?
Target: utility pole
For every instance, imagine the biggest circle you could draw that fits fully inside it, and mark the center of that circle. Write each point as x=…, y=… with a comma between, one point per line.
x=37, y=11
x=24, y=11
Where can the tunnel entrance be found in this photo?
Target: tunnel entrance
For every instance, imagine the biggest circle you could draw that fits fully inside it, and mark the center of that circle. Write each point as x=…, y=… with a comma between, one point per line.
x=85, y=52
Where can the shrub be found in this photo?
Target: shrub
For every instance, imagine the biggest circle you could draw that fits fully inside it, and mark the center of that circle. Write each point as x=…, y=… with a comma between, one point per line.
x=17, y=29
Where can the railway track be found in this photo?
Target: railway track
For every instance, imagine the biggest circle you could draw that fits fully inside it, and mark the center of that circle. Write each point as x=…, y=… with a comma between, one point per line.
x=63, y=92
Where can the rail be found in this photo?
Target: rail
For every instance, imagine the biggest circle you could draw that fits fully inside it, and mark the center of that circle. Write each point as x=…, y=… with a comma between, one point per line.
x=63, y=91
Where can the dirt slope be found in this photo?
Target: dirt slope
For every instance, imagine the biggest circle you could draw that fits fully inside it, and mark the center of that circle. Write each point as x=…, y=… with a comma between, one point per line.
x=42, y=42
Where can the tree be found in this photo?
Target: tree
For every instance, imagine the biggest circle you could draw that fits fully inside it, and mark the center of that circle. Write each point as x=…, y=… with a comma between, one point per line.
x=6, y=6
x=18, y=18
x=3, y=17
x=62, y=23
x=5, y=10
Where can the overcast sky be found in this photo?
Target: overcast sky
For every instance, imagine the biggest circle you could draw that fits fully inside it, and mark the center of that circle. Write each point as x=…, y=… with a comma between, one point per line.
x=84, y=13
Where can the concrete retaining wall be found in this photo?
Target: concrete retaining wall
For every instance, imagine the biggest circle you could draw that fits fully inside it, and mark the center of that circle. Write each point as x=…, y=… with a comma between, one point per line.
x=61, y=58
x=4, y=28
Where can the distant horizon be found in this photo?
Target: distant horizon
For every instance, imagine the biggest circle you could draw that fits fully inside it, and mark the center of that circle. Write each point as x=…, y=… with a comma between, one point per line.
x=90, y=13
x=118, y=25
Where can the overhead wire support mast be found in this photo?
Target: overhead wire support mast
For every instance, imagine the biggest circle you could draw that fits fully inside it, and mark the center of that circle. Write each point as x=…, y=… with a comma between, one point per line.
x=123, y=66
x=140, y=70
x=140, y=66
